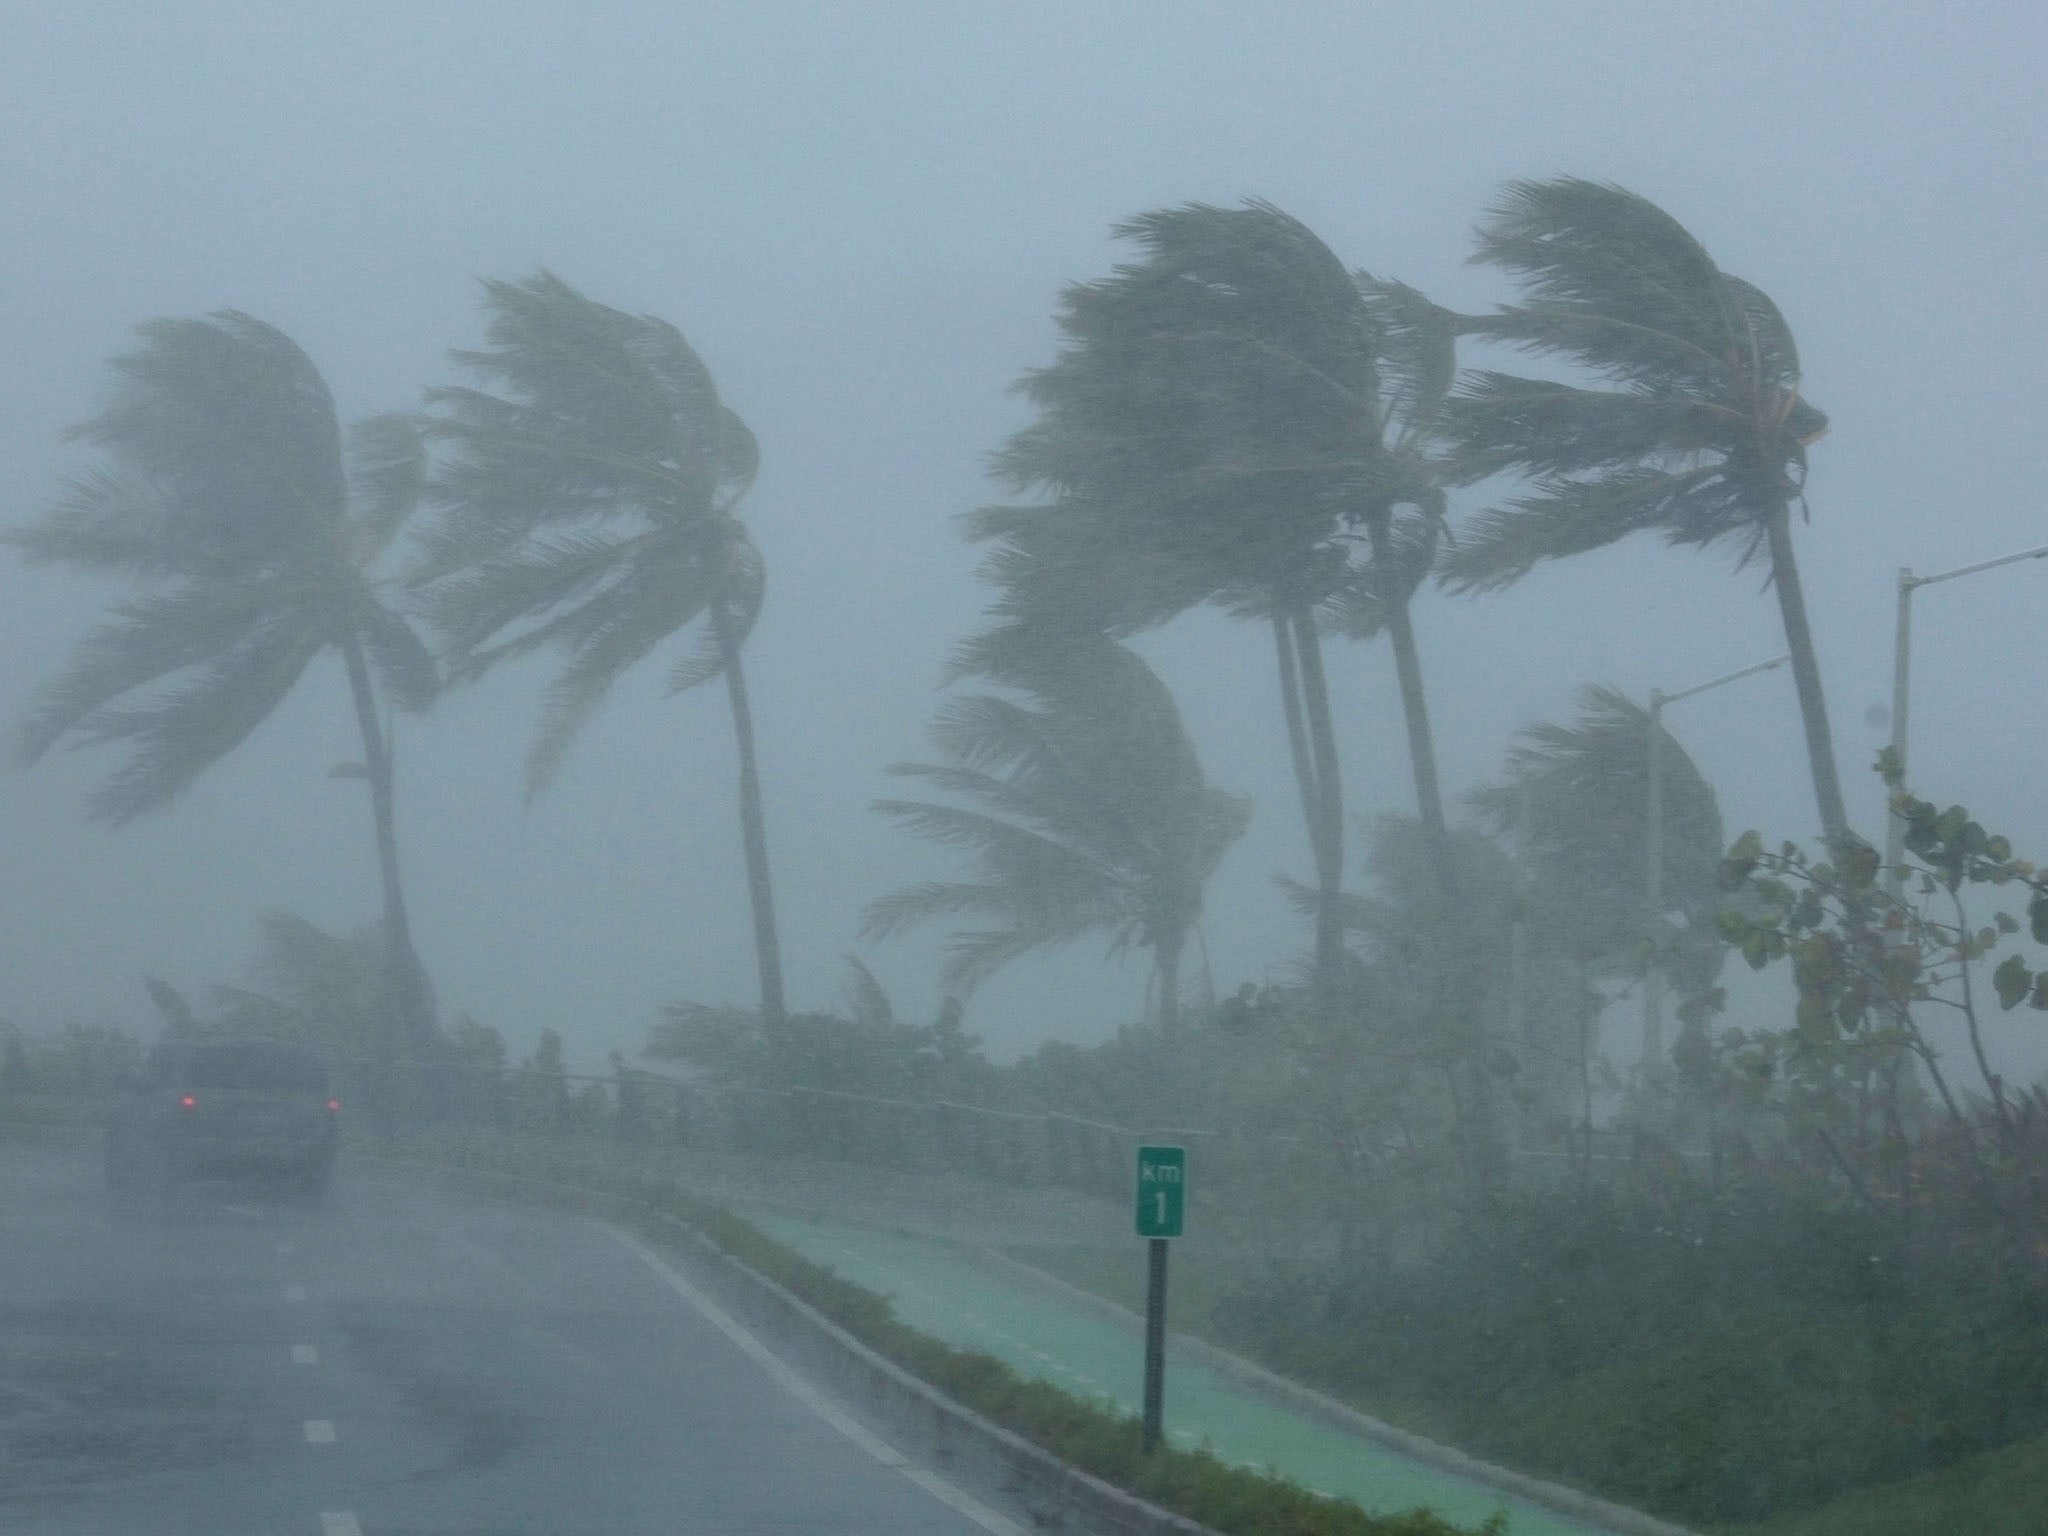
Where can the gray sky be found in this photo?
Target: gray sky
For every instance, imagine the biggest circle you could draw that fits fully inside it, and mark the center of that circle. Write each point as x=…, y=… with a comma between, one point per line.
x=862, y=215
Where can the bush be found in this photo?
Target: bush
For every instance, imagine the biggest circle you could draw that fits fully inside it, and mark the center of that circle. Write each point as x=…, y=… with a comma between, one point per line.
x=1713, y=1357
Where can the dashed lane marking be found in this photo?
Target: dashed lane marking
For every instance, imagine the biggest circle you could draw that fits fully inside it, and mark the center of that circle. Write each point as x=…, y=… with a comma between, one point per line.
x=295, y=1292
x=966, y=1504
x=305, y=1354
x=319, y=1431
x=339, y=1523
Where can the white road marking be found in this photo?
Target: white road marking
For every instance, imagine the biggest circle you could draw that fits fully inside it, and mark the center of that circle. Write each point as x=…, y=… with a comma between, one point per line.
x=339, y=1523
x=305, y=1354
x=319, y=1431
x=988, y=1519
x=243, y=1210
x=295, y=1293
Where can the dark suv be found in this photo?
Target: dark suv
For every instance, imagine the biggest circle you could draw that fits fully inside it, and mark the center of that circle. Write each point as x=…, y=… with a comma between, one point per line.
x=222, y=1108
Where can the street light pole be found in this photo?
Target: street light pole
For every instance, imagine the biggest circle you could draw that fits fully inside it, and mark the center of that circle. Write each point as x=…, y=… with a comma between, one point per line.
x=1902, y=667
x=1653, y=854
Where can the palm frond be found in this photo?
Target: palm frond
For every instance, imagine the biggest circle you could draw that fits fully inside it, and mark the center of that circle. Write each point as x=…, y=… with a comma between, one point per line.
x=184, y=727
x=152, y=637
x=866, y=1001
x=1565, y=517
x=403, y=663
x=387, y=460
x=1417, y=347
x=234, y=430
x=742, y=593
x=603, y=637
x=1610, y=279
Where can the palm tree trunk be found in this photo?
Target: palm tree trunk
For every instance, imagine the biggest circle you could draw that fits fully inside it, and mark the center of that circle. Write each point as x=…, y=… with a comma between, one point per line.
x=409, y=993
x=1813, y=706
x=1297, y=732
x=753, y=825
x=1429, y=799
x=1327, y=828
x=1166, y=969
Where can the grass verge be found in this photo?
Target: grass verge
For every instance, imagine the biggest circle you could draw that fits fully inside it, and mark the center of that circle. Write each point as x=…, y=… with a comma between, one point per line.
x=2003, y=1492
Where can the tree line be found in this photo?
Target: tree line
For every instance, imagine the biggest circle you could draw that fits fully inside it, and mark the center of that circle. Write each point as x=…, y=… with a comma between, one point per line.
x=1235, y=419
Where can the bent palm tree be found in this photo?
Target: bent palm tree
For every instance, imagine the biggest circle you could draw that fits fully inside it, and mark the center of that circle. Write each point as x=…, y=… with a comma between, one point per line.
x=1087, y=813
x=1214, y=431
x=591, y=508
x=1700, y=431
x=227, y=500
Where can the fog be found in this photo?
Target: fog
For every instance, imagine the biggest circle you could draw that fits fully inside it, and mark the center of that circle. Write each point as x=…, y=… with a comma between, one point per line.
x=862, y=218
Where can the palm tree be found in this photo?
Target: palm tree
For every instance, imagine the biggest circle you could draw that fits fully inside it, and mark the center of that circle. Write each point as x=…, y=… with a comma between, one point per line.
x=1698, y=429
x=1086, y=812
x=249, y=538
x=591, y=507
x=1215, y=431
x=1572, y=799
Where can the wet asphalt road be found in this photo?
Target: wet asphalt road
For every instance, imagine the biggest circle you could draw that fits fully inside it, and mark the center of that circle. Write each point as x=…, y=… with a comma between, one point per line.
x=400, y=1363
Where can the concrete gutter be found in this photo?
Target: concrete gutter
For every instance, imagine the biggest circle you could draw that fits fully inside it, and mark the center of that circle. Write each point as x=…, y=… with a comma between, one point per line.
x=1616, y=1518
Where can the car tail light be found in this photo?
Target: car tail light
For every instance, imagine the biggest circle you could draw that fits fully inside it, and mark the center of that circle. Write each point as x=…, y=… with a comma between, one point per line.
x=334, y=1106
x=188, y=1101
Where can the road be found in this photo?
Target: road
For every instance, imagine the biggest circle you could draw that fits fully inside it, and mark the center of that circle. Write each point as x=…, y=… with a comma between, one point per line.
x=401, y=1363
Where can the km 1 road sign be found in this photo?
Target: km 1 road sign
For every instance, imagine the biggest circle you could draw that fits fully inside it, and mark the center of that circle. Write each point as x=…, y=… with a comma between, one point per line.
x=1162, y=1190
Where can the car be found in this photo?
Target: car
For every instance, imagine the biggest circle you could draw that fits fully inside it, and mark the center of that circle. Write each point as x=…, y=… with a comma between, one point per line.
x=225, y=1108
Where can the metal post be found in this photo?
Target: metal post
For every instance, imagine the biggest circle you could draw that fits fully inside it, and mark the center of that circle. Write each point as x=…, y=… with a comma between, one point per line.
x=1653, y=855
x=1902, y=666
x=1155, y=1343
x=1653, y=892
x=1902, y=662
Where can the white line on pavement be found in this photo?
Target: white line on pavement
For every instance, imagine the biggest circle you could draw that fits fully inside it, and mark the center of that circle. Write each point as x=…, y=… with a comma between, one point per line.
x=305, y=1354
x=988, y=1519
x=319, y=1431
x=243, y=1210
x=295, y=1293
x=339, y=1523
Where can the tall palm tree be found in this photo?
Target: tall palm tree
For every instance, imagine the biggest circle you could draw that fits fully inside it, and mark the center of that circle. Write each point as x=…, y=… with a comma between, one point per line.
x=591, y=507
x=249, y=538
x=1215, y=431
x=1086, y=813
x=1697, y=430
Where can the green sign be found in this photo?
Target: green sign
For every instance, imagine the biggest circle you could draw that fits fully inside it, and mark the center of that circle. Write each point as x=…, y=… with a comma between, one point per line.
x=1162, y=1190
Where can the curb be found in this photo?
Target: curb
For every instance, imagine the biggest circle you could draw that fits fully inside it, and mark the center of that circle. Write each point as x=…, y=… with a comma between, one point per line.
x=1617, y=1518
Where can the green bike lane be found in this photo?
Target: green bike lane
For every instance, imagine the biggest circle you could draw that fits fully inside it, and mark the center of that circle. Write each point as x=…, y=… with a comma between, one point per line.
x=944, y=1290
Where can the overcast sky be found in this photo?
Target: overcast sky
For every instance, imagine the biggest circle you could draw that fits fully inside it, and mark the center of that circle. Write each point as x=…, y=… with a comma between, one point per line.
x=862, y=216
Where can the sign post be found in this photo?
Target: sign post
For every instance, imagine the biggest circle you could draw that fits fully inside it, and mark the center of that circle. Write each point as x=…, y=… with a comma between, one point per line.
x=1162, y=1201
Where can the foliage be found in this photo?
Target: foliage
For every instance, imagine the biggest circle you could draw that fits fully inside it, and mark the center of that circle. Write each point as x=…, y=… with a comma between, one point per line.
x=78, y=1061
x=1863, y=959
x=869, y=1052
x=227, y=502
x=1711, y=1354
x=1087, y=812
x=1572, y=798
x=590, y=507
